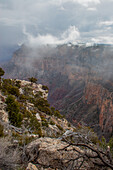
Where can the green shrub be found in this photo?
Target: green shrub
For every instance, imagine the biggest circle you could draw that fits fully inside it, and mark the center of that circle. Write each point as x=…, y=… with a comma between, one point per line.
x=8, y=86
x=14, y=90
x=94, y=139
x=38, y=95
x=27, y=140
x=28, y=91
x=110, y=143
x=52, y=123
x=28, y=114
x=57, y=114
x=13, y=109
x=40, y=132
x=60, y=128
x=69, y=125
x=1, y=130
x=34, y=125
x=31, y=99
x=52, y=110
x=45, y=123
x=32, y=79
x=45, y=109
x=41, y=102
x=45, y=87
x=103, y=143
x=18, y=83
x=1, y=72
x=22, y=98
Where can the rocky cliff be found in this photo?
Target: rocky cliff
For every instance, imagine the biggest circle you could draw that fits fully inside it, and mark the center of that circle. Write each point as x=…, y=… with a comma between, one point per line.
x=79, y=80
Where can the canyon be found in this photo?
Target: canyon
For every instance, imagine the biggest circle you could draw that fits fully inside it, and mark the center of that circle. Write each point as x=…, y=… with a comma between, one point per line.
x=80, y=80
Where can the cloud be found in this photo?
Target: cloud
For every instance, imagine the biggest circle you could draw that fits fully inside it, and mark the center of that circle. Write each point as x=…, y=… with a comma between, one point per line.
x=85, y=3
x=10, y=21
x=47, y=21
x=91, y=9
x=71, y=35
x=103, y=39
x=106, y=23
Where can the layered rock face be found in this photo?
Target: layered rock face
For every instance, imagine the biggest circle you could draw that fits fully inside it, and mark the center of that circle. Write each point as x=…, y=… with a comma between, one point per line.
x=79, y=80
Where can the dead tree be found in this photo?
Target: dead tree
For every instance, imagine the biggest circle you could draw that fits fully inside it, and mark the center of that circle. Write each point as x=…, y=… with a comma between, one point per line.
x=89, y=152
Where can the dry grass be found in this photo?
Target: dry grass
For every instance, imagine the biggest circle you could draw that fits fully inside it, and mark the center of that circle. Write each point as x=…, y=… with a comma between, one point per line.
x=9, y=154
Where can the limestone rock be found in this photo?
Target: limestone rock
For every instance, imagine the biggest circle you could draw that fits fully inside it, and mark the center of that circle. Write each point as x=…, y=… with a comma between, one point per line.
x=31, y=167
x=38, y=117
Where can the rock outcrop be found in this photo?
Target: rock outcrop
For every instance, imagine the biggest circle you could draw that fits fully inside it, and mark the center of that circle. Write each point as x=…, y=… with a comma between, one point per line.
x=37, y=117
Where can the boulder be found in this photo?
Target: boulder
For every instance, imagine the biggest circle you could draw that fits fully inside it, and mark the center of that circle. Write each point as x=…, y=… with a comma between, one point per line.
x=31, y=167
x=38, y=117
x=49, y=152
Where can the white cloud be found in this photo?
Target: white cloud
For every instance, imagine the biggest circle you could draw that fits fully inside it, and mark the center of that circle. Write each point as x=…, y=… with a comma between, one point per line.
x=91, y=9
x=85, y=3
x=103, y=39
x=71, y=35
x=11, y=21
x=106, y=23
x=93, y=18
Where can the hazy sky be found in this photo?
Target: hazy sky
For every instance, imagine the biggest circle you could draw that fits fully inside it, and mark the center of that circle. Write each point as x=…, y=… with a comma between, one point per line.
x=55, y=22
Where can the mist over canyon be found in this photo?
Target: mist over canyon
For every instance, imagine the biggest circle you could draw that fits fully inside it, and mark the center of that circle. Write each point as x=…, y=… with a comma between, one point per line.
x=79, y=77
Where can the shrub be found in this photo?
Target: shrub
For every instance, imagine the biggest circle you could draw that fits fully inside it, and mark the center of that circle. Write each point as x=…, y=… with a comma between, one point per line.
x=69, y=125
x=52, y=123
x=22, y=98
x=45, y=109
x=24, y=140
x=28, y=91
x=38, y=95
x=40, y=132
x=60, y=128
x=18, y=83
x=14, y=90
x=103, y=143
x=34, y=125
x=32, y=79
x=9, y=87
x=45, y=87
x=110, y=143
x=57, y=114
x=10, y=155
x=42, y=102
x=1, y=130
x=1, y=72
x=94, y=139
x=6, y=84
x=13, y=109
x=45, y=123
x=52, y=109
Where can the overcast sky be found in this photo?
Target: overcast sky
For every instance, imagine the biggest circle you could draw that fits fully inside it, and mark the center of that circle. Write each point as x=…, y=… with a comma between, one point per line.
x=55, y=22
